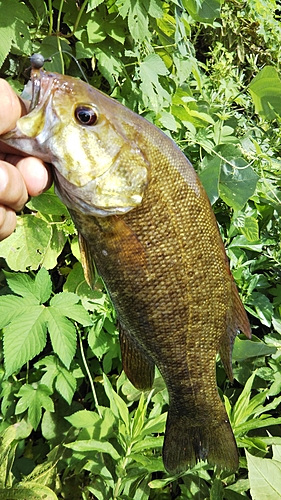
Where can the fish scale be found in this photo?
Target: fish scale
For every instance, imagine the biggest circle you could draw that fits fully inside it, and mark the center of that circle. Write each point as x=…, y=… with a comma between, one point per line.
x=145, y=219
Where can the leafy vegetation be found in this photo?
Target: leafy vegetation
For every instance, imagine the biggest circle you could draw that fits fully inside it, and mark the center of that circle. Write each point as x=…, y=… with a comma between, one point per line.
x=72, y=426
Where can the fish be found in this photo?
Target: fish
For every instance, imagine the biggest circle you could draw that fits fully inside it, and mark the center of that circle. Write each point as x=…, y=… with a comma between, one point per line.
x=145, y=220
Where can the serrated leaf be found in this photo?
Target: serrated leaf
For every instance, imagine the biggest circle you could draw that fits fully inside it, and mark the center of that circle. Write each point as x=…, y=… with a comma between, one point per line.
x=83, y=418
x=24, y=338
x=43, y=285
x=6, y=37
x=66, y=303
x=92, y=444
x=264, y=477
x=34, y=399
x=28, y=491
x=63, y=335
x=22, y=285
x=27, y=245
x=153, y=93
x=65, y=384
x=11, y=307
x=138, y=21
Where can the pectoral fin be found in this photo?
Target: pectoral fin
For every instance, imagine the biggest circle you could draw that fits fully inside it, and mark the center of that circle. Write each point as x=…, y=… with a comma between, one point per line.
x=87, y=261
x=137, y=365
x=238, y=322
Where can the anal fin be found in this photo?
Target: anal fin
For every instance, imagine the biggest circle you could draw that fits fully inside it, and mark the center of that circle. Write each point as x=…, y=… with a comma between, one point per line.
x=137, y=365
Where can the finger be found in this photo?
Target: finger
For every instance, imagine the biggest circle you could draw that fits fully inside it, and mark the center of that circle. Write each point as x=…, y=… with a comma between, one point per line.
x=36, y=175
x=8, y=221
x=12, y=108
x=13, y=192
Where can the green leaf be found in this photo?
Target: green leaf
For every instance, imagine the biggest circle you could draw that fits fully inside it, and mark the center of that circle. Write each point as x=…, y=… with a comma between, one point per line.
x=264, y=477
x=66, y=303
x=117, y=405
x=203, y=11
x=48, y=203
x=83, y=418
x=43, y=285
x=209, y=177
x=154, y=95
x=138, y=21
x=24, y=338
x=65, y=384
x=94, y=445
x=25, y=248
x=12, y=307
x=265, y=90
x=6, y=38
x=62, y=333
x=237, y=183
x=244, y=349
x=34, y=399
x=28, y=490
x=262, y=306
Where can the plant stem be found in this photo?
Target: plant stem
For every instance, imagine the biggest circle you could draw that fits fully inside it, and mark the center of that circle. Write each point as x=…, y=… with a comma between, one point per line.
x=88, y=373
x=50, y=17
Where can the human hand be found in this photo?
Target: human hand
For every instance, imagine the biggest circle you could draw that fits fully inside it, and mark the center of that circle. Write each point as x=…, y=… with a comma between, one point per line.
x=20, y=176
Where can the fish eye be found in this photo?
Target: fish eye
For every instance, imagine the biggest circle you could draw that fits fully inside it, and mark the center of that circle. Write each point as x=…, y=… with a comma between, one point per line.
x=85, y=115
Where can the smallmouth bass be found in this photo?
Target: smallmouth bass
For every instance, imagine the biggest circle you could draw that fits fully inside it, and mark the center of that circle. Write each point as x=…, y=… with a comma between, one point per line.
x=146, y=221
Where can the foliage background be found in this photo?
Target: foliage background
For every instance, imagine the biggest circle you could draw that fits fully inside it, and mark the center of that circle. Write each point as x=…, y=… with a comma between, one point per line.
x=72, y=426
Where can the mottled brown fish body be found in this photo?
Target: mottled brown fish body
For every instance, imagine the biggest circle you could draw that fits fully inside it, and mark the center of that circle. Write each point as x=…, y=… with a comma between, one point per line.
x=165, y=267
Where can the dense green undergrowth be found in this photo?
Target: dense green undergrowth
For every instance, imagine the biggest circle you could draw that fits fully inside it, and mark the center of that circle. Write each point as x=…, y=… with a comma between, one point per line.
x=72, y=426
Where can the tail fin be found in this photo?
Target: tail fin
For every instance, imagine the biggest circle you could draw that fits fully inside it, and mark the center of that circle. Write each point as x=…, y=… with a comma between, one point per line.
x=205, y=437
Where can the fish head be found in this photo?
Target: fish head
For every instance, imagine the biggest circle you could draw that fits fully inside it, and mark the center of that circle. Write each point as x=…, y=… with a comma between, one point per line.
x=90, y=139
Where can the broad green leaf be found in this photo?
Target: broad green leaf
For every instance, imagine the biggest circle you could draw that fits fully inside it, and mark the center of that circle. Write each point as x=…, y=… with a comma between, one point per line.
x=93, y=445
x=34, y=399
x=23, y=285
x=83, y=418
x=153, y=93
x=43, y=285
x=24, y=338
x=92, y=4
x=48, y=203
x=265, y=90
x=276, y=451
x=28, y=490
x=244, y=349
x=138, y=21
x=237, y=182
x=262, y=306
x=12, y=306
x=250, y=229
x=25, y=248
x=62, y=333
x=66, y=304
x=6, y=38
x=203, y=11
x=264, y=477
x=65, y=384
x=147, y=443
x=209, y=177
